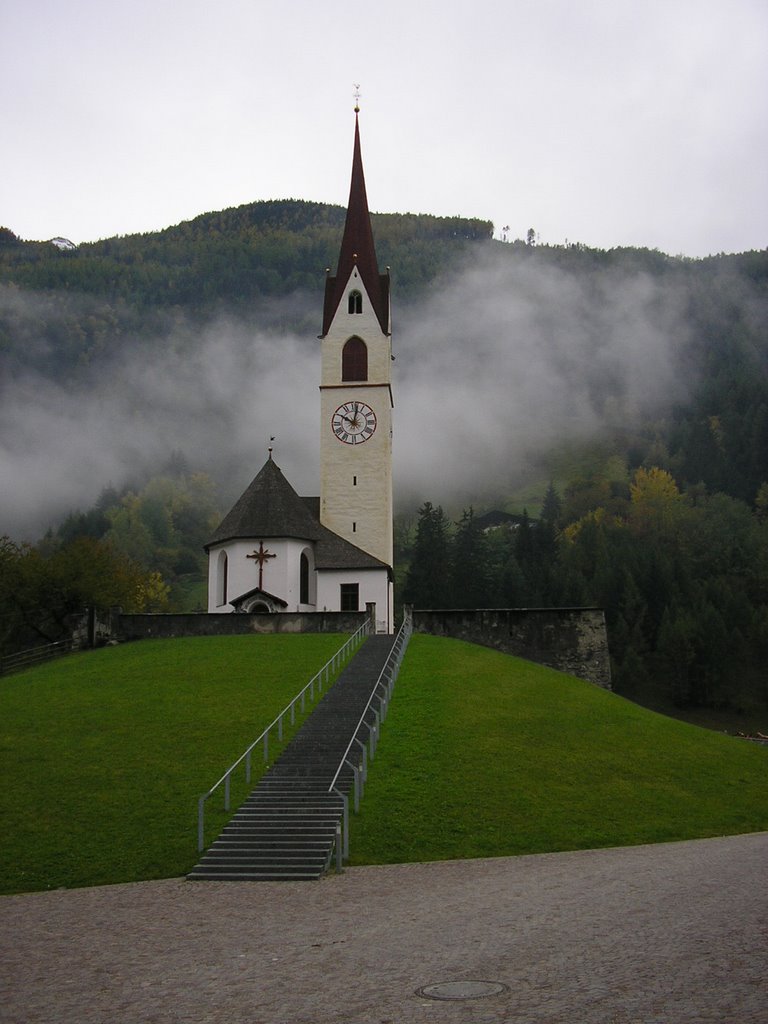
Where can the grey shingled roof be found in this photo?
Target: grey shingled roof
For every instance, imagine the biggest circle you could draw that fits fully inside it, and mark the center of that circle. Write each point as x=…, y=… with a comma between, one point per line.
x=333, y=552
x=269, y=507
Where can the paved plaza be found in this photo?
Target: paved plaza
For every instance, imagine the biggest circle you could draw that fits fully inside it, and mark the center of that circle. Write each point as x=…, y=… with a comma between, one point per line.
x=664, y=934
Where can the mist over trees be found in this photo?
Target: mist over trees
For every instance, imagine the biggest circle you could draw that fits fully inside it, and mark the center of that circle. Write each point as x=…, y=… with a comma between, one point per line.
x=614, y=402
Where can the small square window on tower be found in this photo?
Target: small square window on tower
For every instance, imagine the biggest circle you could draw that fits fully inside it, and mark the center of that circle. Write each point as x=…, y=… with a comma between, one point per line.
x=350, y=597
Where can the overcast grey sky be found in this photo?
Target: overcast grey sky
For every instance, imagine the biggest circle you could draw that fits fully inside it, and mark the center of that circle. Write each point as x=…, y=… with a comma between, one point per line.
x=609, y=122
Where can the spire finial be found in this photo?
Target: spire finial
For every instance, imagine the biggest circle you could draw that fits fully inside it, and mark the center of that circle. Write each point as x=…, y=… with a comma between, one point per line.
x=356, y=94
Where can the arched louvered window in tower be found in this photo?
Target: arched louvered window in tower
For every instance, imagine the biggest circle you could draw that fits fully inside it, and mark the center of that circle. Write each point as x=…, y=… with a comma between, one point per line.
x=355, y=302
x=354, y=360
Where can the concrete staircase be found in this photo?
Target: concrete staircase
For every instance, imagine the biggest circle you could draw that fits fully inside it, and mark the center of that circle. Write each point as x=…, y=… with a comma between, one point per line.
x=285, y=830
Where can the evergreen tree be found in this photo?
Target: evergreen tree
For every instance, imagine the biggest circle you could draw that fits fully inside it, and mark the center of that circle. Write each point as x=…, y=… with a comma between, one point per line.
x=551, y=507
x=470, y=570
x=428, y=581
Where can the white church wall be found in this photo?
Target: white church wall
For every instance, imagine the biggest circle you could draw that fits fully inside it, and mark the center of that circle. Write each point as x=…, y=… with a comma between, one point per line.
x=280, y=574
x=373, y=584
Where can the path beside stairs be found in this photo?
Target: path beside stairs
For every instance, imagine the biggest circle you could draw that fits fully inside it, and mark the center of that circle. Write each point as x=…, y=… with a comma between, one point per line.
x=285, y=830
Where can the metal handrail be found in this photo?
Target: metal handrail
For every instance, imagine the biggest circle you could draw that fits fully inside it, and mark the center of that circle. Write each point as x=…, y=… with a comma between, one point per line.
x=360, y=771
x=331, y=666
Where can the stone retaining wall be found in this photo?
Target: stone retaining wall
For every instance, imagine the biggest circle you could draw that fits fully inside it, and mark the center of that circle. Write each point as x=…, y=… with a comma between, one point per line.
x=142, y=627
x=573, y=640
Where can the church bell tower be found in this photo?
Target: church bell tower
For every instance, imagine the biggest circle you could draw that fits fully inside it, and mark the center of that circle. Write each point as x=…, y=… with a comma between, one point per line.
x=355, y=386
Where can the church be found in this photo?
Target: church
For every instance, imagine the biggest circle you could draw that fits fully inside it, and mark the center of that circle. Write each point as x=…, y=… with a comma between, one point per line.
x=278, y=552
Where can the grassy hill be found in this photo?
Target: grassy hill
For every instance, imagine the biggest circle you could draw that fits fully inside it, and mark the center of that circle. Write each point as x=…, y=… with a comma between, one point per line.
x=104, y=754
x=485, y=755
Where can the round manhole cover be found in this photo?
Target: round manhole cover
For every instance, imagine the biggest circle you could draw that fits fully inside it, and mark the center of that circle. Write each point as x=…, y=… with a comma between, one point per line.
x=462, y=989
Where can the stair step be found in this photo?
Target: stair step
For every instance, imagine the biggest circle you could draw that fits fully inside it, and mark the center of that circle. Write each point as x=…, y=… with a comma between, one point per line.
x=290, y=815
x=275, y=847
x=313, y=804
x=253, y=876
x=272, y=857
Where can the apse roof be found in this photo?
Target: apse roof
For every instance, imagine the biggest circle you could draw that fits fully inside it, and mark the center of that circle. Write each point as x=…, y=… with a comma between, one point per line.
x=270, y=507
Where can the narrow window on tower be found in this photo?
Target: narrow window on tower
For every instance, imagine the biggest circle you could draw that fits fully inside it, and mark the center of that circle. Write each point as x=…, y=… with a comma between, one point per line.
x=354, y=527
x=355, y=302
x=349, y=599
x=354, y=481
x=354, y=360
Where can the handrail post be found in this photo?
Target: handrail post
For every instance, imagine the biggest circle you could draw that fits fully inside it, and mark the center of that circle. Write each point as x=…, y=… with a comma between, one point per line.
x=345, y=822
x=226, y=791
x=266, y=746
x=339, y=850
x=375, y=733
x=356, y=778
x=200, y=825
x=364, y=763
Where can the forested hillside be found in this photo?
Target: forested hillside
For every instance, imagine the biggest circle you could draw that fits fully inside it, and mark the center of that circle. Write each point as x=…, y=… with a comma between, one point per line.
x=638, y=473
x=240, y=261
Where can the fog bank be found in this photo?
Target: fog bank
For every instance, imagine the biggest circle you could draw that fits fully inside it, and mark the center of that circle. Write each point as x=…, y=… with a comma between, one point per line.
x=493, y=367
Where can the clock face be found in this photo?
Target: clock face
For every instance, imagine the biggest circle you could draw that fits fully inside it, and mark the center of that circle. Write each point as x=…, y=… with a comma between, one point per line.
x=353, y=422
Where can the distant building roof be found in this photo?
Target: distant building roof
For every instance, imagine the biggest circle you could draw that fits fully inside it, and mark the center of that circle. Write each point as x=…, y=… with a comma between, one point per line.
x=492, y=520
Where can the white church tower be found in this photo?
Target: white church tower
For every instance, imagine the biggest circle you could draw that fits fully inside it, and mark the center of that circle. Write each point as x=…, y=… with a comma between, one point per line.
x=356, y=386
x=278, y=553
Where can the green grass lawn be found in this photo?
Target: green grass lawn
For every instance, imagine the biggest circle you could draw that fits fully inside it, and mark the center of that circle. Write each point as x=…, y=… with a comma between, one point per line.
x=104, y=754
x=485, y=755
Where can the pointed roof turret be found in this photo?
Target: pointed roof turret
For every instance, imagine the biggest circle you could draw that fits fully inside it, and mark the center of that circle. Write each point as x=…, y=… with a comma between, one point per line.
x=357, y=250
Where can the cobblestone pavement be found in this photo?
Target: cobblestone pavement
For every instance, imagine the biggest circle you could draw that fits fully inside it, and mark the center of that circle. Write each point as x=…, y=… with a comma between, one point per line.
x=664, y=934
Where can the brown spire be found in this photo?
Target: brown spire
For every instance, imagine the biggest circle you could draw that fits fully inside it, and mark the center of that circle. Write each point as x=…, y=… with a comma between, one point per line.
x=357, y=250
